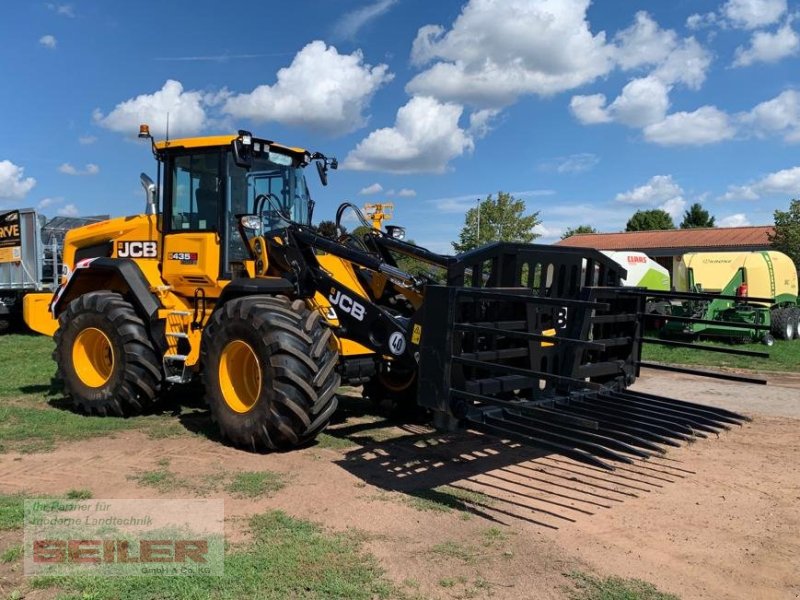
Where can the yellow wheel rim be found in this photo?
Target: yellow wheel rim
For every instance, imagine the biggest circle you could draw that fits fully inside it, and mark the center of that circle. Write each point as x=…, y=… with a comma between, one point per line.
x=239, y=376
x=93, y=357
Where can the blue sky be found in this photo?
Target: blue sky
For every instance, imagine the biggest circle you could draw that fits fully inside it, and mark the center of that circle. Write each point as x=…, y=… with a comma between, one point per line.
x=588, y=111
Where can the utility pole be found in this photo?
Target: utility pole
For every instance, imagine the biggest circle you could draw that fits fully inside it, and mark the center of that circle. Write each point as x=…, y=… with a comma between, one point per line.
x=478, y=234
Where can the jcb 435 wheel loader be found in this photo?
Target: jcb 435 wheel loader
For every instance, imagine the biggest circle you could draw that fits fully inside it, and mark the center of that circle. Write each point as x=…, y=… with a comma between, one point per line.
x=229, y=281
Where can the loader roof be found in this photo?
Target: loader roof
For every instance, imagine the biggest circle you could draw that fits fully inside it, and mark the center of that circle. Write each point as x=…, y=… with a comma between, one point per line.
x=218, y=140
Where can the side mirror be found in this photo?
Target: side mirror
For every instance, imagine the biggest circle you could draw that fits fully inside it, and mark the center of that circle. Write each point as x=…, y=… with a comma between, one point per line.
x=150, y=193
x=396, y=232
x=243, y=150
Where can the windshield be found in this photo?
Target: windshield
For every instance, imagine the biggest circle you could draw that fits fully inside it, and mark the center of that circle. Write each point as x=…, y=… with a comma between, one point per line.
x=274, y=175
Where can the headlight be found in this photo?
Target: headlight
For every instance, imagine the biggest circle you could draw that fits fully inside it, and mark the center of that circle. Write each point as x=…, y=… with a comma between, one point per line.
x=252, y=222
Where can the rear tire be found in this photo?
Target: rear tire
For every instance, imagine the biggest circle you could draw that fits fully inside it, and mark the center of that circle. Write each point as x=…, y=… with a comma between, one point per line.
x=5, y=325
x=396, y=393
x=269, y=372
x=783, y=324
x=795, y=316
x=105, y=357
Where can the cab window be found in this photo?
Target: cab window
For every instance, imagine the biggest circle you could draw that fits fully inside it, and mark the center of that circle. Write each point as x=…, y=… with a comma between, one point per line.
x=196, y=192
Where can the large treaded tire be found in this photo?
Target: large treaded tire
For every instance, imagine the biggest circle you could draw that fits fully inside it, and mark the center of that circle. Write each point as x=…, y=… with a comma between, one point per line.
x=783, y=325
x=296, y=359
x=794, y=313
x=135, y=379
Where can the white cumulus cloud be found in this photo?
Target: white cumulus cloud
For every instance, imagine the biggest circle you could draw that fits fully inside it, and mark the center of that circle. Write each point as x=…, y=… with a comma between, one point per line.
x=780, y=115
x=48, y=41
x=48, y=202
x=406, y=193
x=13, y=183
x=752, y=14
x=69, y=210
x=736, y=220
x=661, y=189
x=706, y=125
x=660, y=192
x=425, y=137
x=187, y=115
x=766, y=47
x=68, y=169
x=644, y=101
x=497, y=50
x=375, y=188
x=321, y=90
x=784, y=183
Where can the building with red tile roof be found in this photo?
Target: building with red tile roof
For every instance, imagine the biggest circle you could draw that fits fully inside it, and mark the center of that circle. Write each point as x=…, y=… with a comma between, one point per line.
x=666, y=245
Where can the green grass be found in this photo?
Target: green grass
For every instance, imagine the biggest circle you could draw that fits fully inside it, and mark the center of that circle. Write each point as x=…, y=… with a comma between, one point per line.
x=254, y=484
x=784, y=356
x=33, y=414
x=27, y=363
x=161, y=479
x=446, y=498
x=11, y=512
x=79, y=494
x=287, y=558
x=331, y=442
x=12, y=507
x=589, y=587
x=12, y=554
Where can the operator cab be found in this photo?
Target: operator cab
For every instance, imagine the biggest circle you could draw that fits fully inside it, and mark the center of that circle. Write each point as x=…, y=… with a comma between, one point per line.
x=209, y=183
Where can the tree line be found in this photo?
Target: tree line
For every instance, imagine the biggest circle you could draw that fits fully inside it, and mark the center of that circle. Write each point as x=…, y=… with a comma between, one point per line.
x=504, y=218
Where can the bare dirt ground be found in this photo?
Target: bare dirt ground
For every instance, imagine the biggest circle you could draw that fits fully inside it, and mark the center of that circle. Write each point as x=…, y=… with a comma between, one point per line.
x=716, y=519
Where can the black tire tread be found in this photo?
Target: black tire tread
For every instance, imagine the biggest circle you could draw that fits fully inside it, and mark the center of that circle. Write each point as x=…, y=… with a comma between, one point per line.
x=140, y=385
x=781, y=318
x=300, y=360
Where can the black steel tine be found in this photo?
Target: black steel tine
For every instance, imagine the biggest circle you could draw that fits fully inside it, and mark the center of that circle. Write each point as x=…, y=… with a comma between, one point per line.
x=694, y=415
x=625, y=436
x=701, y=373
x=668, y=427
x=593, y=436
x=559, y=438
x=722, y=412
x=561, y=417
x=626, y=421
x=645, y=409
x=575, y=453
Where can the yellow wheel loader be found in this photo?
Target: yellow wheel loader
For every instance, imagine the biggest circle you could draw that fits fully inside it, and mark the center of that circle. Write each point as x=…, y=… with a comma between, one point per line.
x=225, y=278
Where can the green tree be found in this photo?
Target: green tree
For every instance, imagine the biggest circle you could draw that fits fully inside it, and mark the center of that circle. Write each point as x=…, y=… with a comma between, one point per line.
x=577, y=231
x=328, y=229
x=648, y=220
x=697, y=216
x=786, y=238
x=500, y=220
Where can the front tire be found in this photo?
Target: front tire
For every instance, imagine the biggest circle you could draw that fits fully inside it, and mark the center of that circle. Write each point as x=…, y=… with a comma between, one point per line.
x=105, y=357
x=269, y=372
